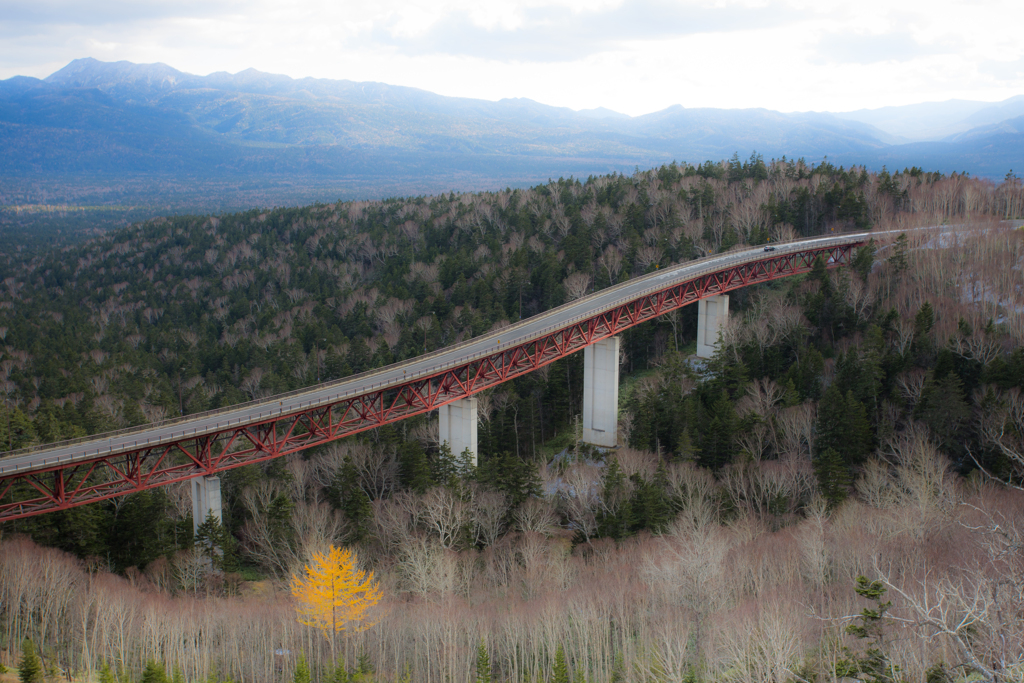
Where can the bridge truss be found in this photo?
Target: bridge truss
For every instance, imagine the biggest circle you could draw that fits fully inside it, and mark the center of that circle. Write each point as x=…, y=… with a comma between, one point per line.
x=142, y=466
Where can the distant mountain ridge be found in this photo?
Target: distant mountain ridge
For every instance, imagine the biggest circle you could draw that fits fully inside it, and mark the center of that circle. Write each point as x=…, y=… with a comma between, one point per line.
x=937, y=120
x=118, y=120
x=246, y=104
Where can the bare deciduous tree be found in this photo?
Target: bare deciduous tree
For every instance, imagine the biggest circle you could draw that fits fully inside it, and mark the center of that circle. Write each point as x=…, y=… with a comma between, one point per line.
x=445, y=514
x=489, y=511
x=1001, y=423
x=611, y=261
x=648, y=255
x=580, y=491
x=973, y=611
x=576, y=286
x=536, y=515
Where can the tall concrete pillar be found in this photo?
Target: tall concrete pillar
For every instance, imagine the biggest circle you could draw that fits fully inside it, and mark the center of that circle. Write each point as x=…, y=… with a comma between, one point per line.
x=457, y=426
x=601, y=393
x=205, y=499
x=712, y=314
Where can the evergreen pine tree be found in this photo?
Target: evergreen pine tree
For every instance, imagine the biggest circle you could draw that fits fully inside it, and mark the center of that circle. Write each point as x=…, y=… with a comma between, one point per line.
x=806, y=374
x=302, y=670
x=154, y=673
x=359, y=355
x=833, y=476
x=659, y=505
x=818, y=306
x=340, y=674
x=898, y=260
x=642, y=434
x=938, y=673
x=858, y=431
x=16, y=428
x=615, y=510
x=351, y=498
x=819, y=272
x=649, y=506
x=873, y=665
x=944, y=409
x=517, y=478
x=30, y=668
x=465, y=465
x=413, y=468
x=444, y=467
x=872, y=364
x=364, y=666
x=924, y=320
x=864, y=259
x=211, y=537
x=618, y=670
x=843, y=426
x=483, y=663
x=106, y=675
x=383, y=355
x=716, y=448
x=735, y=168
x=792, y=396
x=830, y=427
x=685, y=450
x=560, y=673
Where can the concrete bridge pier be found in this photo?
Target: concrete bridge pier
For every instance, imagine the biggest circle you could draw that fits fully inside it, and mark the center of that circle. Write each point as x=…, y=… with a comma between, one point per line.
x=205, y=499
x=457, y=425
x=601, y=393
x=712, y=314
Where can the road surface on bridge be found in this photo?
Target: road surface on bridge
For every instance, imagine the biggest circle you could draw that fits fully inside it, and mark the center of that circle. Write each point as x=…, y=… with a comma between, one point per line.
x=88, y=448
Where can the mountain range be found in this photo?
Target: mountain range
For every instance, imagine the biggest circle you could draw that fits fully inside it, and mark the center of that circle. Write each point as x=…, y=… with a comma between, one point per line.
x=938, y=120
x=133, y=124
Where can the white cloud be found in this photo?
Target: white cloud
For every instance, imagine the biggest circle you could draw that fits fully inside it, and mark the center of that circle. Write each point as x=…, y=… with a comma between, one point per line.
x=634, y=57
x=563, y=34
x=894, y=46
x=33, y=14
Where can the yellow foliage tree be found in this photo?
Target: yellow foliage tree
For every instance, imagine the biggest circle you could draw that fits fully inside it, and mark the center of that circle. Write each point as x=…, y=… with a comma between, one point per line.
x=334, y=594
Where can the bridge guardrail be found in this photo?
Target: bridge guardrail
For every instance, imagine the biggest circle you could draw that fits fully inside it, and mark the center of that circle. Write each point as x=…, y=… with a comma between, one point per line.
x=752, y=256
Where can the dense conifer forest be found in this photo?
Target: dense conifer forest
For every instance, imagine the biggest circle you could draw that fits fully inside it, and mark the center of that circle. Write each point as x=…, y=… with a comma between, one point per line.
x=834, y=494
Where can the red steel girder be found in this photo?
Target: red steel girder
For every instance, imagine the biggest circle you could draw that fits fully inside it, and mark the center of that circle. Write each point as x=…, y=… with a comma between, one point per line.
x=61, y=487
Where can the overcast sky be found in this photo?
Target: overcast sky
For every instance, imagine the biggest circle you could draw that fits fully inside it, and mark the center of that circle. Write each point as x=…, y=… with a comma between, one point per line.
x=633, y=57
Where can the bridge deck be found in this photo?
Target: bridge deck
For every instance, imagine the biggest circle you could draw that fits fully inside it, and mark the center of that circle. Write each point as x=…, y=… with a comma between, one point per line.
x=63, y=475
x=422, y=366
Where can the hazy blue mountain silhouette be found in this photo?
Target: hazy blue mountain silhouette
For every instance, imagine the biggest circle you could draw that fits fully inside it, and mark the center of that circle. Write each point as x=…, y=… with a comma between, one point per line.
x=936, y=120
x=123, y=119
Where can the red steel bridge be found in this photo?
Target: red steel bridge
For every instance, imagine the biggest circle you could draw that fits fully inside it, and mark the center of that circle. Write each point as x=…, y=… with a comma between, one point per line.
x=64, y=475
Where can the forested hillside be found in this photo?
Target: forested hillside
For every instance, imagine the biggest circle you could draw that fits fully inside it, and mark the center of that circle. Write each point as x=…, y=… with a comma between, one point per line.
x=854, y=422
